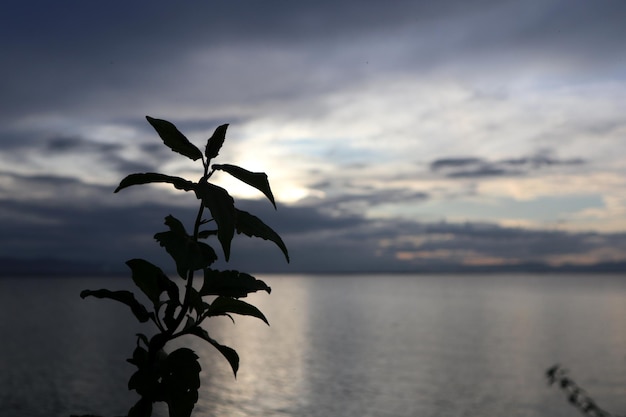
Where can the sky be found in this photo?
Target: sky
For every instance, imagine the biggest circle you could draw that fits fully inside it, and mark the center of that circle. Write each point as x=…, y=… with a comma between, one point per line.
x=397, y=136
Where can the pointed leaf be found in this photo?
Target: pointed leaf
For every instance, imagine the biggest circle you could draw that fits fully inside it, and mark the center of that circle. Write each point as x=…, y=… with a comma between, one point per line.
x=251, y=225
x=152, y=281
x=215, y=142
x=257, y=180
x=223, y=305
x=222, y=207
x=124, y=297
x=233, y=284
x=186, y=252
x=229, y=353
x=151, y=177
x=174, y=139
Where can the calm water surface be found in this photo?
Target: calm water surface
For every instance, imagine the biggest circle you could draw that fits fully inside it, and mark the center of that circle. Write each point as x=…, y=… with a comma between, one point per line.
x=338, y=346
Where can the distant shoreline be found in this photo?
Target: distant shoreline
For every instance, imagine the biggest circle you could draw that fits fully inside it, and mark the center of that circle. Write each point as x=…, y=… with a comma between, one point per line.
x=14, y=267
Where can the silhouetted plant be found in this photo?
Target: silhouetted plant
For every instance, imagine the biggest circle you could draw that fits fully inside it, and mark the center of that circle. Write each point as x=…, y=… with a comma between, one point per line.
x=174, y=377
x=575, y=394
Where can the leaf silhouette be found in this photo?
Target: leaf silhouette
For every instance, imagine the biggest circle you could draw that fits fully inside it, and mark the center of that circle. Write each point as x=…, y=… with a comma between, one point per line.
x=174, y=139
x=222, y=208
x=153, y=282
x=257, y=180
x=233, y=284
x=124, y=297
x=215, y=142
x=223, y=306
x=229, y=353
x=251, y=225
x=151, y=177
x=186, y=252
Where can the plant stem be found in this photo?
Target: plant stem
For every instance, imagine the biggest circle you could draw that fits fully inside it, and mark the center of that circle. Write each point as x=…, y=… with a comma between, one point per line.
x=189, y=285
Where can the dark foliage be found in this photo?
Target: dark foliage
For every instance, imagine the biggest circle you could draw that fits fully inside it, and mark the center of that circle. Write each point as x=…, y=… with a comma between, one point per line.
x=576, y=396
x=174, y=377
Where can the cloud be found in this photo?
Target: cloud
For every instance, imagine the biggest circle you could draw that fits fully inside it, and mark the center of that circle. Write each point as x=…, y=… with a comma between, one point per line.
x=74, y=144
x=94, y=226
x=372, y=119
x=471, y=167
x=250, y=54
x=473, y=243
x=454, y=162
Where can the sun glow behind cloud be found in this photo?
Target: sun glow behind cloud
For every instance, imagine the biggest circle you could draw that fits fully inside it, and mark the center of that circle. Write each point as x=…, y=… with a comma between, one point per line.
x=368, y=124
x=384, y=134
x=365, y=141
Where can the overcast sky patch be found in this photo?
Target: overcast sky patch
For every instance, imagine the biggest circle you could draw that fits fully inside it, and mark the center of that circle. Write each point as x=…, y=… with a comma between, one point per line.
x=371, y=119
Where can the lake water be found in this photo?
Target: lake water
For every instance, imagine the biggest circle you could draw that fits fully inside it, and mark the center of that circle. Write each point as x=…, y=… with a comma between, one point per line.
x=338, y=346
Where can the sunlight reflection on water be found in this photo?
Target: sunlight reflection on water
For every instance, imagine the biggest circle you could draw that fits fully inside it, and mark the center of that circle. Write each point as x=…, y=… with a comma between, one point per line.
x=337, y=346
x=400, y=346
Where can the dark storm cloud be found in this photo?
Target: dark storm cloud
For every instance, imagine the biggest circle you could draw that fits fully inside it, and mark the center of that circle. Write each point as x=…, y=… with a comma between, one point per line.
x=79, y=145
x=495, y=241
x=454, y=163
x=370, y=197
x=46, y=188
x=164, y=21
x=110, y=63
x=80, y=222
x=364, y=245
x=483, y=171
x=576, y=26
x=462, y=243
x=86, y=223
x=302, y=219
x=105, y=236
x=539, y=161
x=125, y=166
x=288, y=21
x=130, y=54
x=111, y=155
x=471, y=167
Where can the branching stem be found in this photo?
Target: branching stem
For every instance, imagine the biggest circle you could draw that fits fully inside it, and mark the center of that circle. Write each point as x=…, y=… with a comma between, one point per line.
x=190, y=274
x=173, y=377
